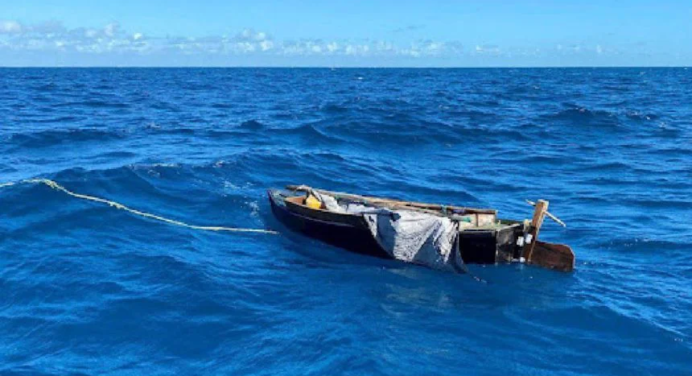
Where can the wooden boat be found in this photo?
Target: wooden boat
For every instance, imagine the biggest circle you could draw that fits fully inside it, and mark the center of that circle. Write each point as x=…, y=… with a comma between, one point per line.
x=484, y=239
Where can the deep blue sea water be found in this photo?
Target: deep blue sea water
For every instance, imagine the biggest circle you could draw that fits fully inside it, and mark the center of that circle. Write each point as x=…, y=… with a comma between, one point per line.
x=88, y=289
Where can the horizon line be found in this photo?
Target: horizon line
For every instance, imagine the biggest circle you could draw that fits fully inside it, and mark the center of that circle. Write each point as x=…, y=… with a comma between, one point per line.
x=334, y=67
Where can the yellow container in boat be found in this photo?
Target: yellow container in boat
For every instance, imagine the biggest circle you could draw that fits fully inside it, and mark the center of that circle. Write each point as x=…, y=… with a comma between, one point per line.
x=312, y=202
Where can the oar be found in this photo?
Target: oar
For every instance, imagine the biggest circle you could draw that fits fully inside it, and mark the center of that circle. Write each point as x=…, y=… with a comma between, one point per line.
x=554, y=218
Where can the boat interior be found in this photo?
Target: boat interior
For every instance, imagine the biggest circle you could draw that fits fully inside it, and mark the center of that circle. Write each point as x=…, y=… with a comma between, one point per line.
x=468, y=218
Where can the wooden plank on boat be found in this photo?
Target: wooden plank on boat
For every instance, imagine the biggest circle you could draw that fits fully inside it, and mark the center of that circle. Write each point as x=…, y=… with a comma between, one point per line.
x=536, y=222
x=551, y=216
x=387, y=201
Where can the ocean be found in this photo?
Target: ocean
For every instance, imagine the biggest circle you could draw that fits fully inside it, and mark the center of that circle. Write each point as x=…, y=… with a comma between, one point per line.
x=88, y=289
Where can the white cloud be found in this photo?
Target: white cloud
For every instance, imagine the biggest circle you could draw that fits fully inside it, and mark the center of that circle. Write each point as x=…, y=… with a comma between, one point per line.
x=250, y=35
x=427, y=48
x=52, y=43
x=357, y=49
x=53, y=36
x=266, y=45
x=111, y=29
x=10, y=27
x=487, y=49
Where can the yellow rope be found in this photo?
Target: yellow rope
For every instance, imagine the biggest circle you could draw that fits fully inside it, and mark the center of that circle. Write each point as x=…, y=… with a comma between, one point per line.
x=58, y=187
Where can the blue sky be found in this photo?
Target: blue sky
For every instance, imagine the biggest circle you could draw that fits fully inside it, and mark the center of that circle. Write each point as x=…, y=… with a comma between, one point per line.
x=345, y=33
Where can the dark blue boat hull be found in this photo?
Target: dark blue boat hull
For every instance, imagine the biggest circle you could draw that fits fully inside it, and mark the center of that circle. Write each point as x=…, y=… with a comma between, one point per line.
x=352, y=238
x=352, y=233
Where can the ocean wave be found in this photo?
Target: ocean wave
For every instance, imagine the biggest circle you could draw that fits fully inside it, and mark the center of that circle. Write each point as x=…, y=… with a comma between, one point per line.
x=333, y=108
x=94, y=104
x=310, y=132
x=222, y=106
x=647, y=243
x=53, y=137
x=165, y=106
x=584, y=116
x=252, y=125
x=635, y=115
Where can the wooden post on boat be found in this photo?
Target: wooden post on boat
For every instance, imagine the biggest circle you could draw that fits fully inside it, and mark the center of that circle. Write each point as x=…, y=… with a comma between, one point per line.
x=536, y=222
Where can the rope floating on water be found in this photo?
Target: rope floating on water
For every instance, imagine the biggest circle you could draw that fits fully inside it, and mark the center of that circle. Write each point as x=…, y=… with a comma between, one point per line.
x=54, y=185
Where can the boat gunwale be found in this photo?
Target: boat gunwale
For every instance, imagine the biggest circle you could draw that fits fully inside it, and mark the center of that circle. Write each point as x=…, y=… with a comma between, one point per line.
x=413, y=205
x=291, y=202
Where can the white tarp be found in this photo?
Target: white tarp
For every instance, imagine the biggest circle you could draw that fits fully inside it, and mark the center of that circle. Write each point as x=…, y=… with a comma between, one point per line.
x=417, y=237
x=329, y=202
x=408, y=235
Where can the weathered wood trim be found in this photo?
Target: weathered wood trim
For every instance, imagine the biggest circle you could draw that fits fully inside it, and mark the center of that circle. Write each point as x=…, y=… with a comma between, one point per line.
x=536, y=223
x=390, y=201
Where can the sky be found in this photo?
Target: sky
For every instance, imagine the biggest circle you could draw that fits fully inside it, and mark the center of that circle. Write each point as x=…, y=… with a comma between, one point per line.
x=374, y=33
